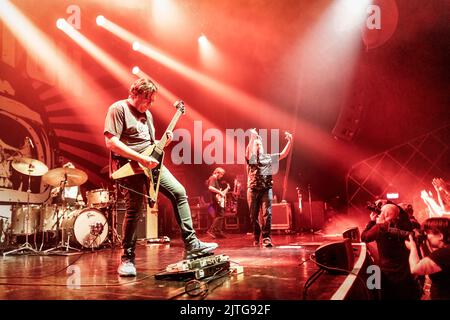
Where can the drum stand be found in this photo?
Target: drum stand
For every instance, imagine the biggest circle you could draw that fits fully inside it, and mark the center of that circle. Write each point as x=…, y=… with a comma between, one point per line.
x=61, y=244
x=26, y=246
x=114, y=237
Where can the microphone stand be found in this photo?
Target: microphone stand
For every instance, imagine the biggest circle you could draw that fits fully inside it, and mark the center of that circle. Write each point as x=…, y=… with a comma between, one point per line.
x=310, y=209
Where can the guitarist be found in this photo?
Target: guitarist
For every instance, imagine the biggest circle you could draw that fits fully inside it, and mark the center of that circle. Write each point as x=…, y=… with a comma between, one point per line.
x=128, y=132
x=217, y=203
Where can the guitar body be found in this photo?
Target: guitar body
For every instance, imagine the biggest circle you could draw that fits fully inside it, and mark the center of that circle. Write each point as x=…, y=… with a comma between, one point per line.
x=221, y=199
x=155, y=151
x=133, y=167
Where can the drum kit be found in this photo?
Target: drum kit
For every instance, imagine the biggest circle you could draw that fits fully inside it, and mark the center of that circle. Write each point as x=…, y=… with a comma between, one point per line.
x=74, y=226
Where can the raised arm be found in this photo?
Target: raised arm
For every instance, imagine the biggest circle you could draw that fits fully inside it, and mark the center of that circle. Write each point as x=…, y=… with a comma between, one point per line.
x=288, y=146
x=249, y=149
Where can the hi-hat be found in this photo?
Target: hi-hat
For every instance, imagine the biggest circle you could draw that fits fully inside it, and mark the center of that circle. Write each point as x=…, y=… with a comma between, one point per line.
x=72, y=176
x=29, y=166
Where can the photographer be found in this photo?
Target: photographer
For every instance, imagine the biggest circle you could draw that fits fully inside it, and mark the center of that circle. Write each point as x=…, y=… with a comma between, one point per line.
x=437, y=263
x=397, y=283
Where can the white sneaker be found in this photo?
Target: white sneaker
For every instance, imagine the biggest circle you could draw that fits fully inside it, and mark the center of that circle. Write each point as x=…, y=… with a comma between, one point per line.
x=127, y=269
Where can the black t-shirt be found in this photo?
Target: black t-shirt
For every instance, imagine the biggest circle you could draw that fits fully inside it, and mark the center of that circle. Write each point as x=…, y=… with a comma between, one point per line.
x=135, y=129
x=213, y=182
x=440, y=289
x=260, y=170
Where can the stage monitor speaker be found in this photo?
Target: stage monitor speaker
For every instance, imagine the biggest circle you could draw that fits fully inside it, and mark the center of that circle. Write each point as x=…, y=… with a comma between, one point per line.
x=303, y=215
x=338, y=255
x=352, y=234
x=281, y=216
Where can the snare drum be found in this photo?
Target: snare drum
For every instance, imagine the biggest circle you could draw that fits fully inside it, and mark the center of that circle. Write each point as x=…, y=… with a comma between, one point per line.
x=87, y=227
x=20, y=223
x=98, y=198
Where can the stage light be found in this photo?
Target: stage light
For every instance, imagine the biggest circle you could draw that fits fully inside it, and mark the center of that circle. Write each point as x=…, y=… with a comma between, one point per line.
x=60, y=23
x=119, y=71
x=136, y=46
x=100, y=20
x=135, y=70
x=202, y=40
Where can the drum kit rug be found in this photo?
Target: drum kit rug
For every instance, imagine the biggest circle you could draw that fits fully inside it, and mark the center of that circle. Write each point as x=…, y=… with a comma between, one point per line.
x=73, y=226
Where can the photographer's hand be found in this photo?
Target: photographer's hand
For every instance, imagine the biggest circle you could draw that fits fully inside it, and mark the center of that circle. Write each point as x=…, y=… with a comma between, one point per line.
x=411, y=244
x=373, y=216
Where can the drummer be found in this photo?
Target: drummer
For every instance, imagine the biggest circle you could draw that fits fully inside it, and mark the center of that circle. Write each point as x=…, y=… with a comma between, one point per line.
x=71, y=195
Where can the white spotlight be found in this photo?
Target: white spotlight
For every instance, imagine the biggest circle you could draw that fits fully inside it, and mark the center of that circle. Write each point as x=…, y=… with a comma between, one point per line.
x=100, y=20
x=60, y=23
x=202, y=39
x=136, y=46
x=135, y=70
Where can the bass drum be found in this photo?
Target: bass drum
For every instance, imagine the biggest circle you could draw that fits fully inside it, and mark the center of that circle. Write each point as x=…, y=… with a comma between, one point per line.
x=87, y=227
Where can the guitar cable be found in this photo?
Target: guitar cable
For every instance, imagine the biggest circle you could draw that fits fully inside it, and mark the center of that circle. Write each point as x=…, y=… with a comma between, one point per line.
x=132, y=190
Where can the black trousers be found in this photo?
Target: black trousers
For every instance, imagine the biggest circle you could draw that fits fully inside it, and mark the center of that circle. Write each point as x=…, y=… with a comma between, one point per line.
x=136, y=207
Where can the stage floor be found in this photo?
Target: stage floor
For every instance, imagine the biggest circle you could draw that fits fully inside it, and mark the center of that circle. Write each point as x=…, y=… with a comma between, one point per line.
x=277, y=273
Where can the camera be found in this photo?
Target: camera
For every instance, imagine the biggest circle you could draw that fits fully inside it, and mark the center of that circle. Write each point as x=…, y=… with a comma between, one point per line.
x=419, y=236
x=376, y=206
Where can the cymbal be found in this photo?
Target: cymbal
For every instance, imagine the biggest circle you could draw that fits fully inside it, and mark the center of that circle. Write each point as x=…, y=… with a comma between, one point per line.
x=75, y=177
x=29, y=166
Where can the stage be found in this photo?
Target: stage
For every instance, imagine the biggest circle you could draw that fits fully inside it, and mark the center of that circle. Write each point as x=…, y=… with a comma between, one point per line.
x=256, y=273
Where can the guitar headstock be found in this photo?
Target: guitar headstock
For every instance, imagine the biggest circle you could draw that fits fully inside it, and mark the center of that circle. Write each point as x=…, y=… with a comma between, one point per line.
x=179, y=105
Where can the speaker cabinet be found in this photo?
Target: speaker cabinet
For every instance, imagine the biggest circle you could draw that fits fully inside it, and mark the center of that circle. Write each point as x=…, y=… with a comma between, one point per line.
x=336, y=255
x=147, y=226
x=308, y=216
x=200, y=218
x=281, y=216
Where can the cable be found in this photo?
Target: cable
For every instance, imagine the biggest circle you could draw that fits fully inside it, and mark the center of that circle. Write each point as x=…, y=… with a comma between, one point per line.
x=200, y=288
x=132, y=190
x=324, y=267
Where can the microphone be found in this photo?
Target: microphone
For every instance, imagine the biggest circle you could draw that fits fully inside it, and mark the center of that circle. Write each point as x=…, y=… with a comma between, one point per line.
x=30, y=142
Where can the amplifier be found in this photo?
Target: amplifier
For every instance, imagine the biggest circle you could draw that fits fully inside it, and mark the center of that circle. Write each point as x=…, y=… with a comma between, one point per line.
x=281, y=216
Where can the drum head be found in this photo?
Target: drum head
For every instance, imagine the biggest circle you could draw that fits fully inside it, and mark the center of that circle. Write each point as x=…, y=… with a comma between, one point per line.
x=90, y=228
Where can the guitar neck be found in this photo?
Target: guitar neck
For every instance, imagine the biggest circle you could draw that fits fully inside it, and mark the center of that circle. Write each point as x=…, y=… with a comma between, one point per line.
x=162, y=143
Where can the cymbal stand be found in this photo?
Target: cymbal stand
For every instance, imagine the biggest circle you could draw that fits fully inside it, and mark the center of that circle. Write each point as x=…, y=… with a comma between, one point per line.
x=26, y=246
x=114, y=236
x=62, y=244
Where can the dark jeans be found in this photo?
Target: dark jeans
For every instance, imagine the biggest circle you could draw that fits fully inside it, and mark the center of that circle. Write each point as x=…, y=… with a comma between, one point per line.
x=260, y=200
x=218, y=222
x=136, y=206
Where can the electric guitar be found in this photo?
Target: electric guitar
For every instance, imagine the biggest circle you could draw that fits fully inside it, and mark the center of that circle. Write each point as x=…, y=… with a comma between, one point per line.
x=221, y=198
x=155, y=151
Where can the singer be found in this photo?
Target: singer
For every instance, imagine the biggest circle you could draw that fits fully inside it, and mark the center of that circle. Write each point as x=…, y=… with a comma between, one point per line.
x=259, y=184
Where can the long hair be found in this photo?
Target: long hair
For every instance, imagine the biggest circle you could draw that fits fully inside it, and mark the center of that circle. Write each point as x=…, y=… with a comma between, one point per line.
x=438, y=225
